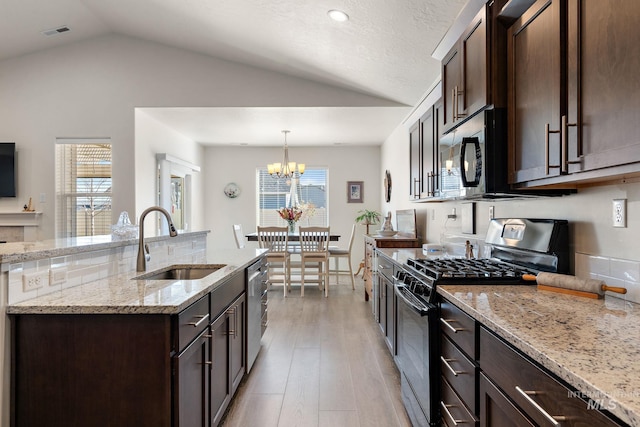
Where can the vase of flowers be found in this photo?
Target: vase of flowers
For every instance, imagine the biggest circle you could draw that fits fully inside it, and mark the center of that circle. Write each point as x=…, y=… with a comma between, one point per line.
x=291, y=215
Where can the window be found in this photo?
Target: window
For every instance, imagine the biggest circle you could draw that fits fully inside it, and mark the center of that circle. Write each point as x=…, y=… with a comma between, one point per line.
x=83, y=187
x=275, y=193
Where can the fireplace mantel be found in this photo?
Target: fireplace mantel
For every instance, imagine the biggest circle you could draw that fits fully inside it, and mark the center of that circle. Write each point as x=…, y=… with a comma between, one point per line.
x=19, y=226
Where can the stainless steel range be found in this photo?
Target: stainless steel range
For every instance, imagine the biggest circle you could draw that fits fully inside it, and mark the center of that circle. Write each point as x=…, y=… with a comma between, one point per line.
x=517, y=247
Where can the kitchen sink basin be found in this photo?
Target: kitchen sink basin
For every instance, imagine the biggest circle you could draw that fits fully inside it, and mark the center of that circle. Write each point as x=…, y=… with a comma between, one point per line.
x=181, y=272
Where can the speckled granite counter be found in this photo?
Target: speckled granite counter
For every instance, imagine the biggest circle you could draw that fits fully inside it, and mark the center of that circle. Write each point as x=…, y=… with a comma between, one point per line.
x=594, y=345
x=121, y=294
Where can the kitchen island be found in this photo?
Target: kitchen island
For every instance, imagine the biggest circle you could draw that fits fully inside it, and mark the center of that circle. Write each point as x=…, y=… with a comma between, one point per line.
x=120, y=350
x=591, y=345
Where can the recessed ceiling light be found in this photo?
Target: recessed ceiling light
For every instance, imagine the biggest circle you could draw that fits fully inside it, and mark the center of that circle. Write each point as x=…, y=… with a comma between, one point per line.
x=338, y=15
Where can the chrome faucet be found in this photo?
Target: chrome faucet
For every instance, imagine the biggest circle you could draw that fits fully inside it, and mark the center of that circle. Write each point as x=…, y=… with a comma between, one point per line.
x=143, y=250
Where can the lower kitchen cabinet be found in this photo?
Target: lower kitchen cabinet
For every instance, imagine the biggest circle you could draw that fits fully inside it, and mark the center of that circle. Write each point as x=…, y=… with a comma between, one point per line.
x=514, y=388
x=156, y=370
x=387, y=302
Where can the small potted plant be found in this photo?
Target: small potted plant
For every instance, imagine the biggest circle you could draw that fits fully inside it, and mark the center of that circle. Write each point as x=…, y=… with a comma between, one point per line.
x=368, y=217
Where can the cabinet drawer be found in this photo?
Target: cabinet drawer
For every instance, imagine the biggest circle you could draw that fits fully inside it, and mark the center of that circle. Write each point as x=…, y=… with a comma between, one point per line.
x=192, y=320
x=459, y=372
x=453, y=411
x=532, y=389
x=460, y=327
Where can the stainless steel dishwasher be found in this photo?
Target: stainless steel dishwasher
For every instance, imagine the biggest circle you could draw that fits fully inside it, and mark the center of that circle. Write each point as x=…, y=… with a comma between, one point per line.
x=256, y=308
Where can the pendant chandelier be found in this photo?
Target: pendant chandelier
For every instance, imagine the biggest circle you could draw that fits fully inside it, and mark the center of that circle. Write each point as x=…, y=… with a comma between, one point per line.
x=286, y=169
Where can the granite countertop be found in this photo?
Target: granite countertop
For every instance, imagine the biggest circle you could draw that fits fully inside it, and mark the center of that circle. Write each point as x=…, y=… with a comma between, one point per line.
x=121, y=295
x=594, y=345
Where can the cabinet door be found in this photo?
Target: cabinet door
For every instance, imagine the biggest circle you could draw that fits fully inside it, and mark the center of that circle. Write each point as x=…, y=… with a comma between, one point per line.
x=535, y=75
x=192, y=370
x=473, y=94
x=382, y=308
x=220, y=386
x=496, y=410
x=415, y=161
x=390, y=333
x=428, y=142
x=237, y=341
x=451, y=86
x=603, y=83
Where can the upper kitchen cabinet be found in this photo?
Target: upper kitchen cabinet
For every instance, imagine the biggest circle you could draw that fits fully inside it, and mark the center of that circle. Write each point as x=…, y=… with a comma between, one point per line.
x=423, y=160
x=572, y=75
x=473, y=71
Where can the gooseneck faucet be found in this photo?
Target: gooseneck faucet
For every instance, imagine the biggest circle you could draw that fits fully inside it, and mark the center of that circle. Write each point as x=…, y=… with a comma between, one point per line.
x=143, y=250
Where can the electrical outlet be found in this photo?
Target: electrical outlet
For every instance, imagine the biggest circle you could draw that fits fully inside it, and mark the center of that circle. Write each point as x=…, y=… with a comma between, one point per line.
x=57, y=276
x=452, y=216
x=33, y=281
x=620, y=213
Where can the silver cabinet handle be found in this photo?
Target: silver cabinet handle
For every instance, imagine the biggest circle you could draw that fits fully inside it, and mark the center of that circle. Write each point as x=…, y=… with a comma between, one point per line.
x=203, y=318
x=552, y=419
x=445, y=408
x=449, y=367
x=446, y=323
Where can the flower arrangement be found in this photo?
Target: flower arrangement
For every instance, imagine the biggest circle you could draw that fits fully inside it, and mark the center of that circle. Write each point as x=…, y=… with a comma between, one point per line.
x=308, y=210
x=290, y=214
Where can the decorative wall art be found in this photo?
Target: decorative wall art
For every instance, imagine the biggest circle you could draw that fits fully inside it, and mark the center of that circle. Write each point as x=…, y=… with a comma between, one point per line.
x=232, y=190
x=355, y=191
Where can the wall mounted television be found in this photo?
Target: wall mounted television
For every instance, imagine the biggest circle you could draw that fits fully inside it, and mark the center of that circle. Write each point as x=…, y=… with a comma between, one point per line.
x=7, y=169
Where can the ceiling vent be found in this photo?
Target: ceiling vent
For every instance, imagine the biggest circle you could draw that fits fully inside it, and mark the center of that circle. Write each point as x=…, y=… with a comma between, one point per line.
x=56, y=31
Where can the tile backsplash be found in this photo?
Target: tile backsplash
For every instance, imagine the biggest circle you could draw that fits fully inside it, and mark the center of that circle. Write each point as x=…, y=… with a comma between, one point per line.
x=80, y=268
x=612, y=271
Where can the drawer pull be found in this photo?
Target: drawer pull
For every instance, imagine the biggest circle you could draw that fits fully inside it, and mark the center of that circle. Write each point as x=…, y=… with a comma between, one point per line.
x=527, y=395
x=446, y=323
x=453, y=371
x=445, y=408
x=203, y=318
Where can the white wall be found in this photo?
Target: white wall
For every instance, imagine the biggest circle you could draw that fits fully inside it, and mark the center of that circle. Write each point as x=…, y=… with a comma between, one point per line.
x=153, y=137
x=239, y=164
x=91, y=89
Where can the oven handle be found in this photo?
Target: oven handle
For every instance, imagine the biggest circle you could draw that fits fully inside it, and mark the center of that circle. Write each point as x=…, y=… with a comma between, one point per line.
x=412, y=306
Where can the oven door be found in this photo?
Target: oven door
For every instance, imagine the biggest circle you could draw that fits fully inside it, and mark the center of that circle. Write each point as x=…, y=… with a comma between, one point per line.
x=416, y=357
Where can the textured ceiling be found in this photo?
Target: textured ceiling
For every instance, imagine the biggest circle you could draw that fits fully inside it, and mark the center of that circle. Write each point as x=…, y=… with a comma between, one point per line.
x=384, y=49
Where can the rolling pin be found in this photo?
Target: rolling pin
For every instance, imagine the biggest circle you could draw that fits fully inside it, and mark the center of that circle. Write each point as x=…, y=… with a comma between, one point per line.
x=572, y=285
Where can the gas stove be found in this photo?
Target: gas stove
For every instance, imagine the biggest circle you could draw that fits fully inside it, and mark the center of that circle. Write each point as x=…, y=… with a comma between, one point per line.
x=474, y=269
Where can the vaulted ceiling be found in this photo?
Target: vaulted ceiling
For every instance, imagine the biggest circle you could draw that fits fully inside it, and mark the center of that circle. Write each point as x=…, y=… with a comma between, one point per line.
x=383, y=50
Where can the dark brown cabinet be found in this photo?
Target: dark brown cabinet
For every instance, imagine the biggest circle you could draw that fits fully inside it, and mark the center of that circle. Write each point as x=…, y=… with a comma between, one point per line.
x=423, y=154
x=387, y=302
x=473, y=70
x=582, y=127
x=191, y=393
x=515, y=386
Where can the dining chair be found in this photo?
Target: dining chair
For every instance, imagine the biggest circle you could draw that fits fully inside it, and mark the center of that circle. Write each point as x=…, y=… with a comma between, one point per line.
x=336, y=253
x=238, y=235
x=276, y=239
x=314, y=250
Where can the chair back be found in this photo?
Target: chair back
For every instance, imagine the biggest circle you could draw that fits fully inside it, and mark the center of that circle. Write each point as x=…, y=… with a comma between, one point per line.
x=238, y=235
x=314, y=240
x=353, y=233
x=273, y=238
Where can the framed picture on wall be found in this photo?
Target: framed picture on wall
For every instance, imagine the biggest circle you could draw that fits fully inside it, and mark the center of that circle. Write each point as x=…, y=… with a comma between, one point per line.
x=355, y=191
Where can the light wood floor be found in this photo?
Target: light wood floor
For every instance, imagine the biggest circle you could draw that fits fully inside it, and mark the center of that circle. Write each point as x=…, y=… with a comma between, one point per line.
x=323, y=362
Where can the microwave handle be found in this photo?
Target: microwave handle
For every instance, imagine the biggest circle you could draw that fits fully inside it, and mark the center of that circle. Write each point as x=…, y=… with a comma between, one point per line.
x=463, y=150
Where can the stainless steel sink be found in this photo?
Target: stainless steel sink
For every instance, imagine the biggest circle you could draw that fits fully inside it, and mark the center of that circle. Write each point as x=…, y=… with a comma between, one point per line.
x=181, y=272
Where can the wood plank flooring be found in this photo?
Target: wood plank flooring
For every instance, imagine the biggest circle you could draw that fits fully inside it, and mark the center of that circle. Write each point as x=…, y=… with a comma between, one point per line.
x=323, y=362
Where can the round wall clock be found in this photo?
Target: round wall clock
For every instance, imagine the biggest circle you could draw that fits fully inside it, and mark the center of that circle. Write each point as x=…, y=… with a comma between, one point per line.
x=231, y=190
x=387, y=186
